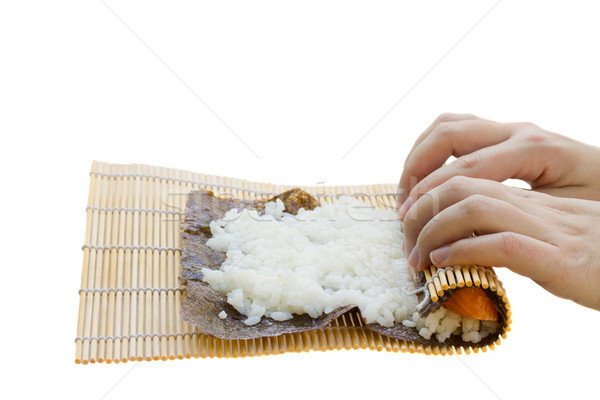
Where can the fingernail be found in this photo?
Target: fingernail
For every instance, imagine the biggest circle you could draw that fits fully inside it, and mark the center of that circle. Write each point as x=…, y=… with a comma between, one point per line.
x=438, y=256
x=405, y=207
x=407, y=249
x=413, y=259
x=400, y=199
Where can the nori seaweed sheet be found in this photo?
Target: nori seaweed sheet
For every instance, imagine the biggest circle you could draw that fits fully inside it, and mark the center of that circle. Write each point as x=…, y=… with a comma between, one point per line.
x=201, y=304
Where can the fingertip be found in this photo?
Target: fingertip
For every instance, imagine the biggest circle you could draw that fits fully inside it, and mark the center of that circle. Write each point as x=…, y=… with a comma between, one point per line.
x=401, y=198
x=439, y=256
x=401, y=194
x=421, y=267
x=413, y=259
x=404, y=208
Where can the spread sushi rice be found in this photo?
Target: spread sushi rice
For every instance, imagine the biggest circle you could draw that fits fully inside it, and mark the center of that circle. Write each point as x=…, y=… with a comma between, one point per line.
x=345, y=253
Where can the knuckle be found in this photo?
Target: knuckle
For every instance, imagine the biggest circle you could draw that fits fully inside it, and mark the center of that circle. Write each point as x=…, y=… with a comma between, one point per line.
x=534, y=137
x=475, y=205
x=442, y=128
x=539, y=142
x=422, y=188
x=468, y=162
x=445, y=117
x=511, y=246
x=452, y=117
x=456, y=183
x=530, y=133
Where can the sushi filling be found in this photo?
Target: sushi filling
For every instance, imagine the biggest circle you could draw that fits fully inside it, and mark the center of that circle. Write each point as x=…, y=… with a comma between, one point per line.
x=443, y=323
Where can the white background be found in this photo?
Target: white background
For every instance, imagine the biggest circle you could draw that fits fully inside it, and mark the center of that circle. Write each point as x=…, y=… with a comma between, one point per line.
x=299, y=83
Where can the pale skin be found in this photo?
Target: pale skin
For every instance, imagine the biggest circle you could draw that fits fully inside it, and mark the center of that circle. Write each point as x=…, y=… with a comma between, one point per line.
x=459, y=213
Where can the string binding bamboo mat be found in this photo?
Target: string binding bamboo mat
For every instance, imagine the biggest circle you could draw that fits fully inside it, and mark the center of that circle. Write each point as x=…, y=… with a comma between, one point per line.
x=129, y=300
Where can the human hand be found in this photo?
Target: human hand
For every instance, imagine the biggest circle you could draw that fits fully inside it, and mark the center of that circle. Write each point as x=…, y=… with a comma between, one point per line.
x=554, y=241
x=549, y=162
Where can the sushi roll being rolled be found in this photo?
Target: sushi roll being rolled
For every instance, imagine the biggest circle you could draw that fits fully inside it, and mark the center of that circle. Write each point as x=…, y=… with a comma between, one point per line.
x=288, y=264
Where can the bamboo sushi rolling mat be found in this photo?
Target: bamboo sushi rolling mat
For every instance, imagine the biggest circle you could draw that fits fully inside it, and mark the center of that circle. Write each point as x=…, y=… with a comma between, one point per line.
x=130, y=296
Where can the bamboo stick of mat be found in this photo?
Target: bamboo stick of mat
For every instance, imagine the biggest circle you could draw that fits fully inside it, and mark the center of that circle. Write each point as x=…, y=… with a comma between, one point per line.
x=129, y=302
